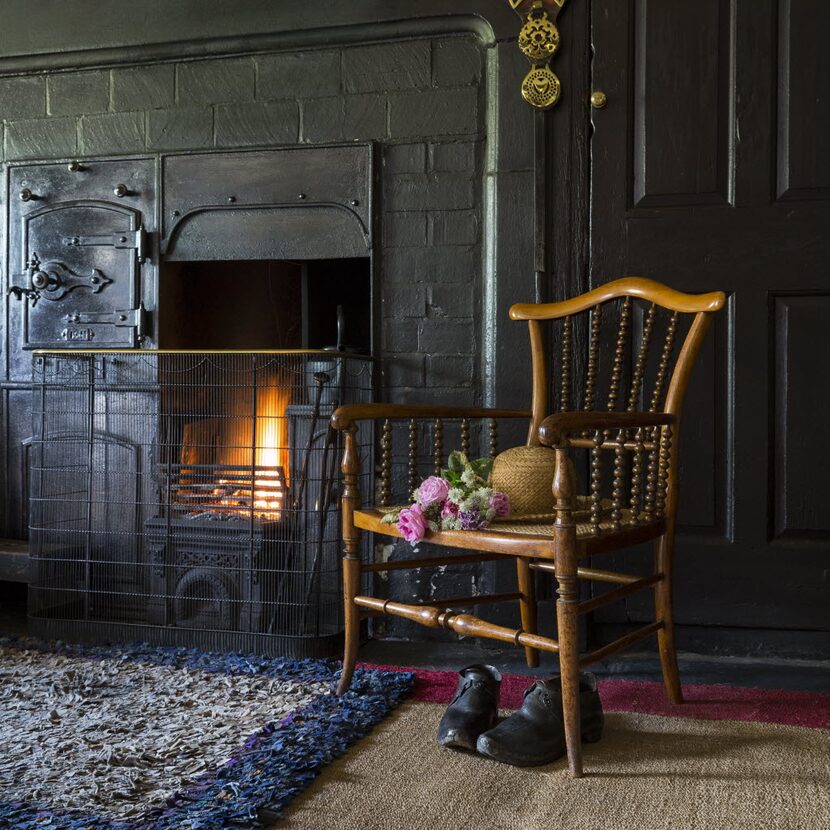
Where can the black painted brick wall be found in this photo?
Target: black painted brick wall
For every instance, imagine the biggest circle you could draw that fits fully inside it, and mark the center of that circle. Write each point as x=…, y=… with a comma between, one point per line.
x=423, y=100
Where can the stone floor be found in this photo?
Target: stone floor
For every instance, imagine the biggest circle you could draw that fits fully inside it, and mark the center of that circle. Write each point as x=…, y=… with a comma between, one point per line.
x=770, y=673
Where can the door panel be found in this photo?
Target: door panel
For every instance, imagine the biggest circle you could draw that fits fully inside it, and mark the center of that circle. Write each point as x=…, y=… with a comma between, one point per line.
x=708, y=172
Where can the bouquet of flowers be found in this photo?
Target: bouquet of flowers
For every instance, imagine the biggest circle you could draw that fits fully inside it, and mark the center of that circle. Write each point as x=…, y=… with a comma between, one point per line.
x=458, y=499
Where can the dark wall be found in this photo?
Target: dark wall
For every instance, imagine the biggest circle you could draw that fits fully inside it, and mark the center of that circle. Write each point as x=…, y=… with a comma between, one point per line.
x=438, y=93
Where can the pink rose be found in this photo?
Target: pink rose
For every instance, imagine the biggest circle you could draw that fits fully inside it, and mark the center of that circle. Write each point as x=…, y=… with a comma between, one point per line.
x=412, y=524
x=500, y=503
x=450, y=510
x=433, y=489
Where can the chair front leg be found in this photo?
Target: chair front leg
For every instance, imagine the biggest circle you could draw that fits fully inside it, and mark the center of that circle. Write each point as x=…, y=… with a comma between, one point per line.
x=351, y=614
x=349, y=502
x=527, y=606
x=567, y=604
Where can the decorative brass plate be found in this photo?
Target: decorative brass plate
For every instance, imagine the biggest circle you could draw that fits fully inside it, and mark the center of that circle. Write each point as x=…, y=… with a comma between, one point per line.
x=541, y=88
x=539, y=38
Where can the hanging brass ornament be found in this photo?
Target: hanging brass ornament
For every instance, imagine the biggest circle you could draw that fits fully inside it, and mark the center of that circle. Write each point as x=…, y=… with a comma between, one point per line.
x=539, y=42
x=541, y=88
x=539, y=38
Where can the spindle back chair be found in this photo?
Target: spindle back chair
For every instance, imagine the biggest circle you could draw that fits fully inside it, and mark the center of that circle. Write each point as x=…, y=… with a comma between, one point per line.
x=633, y=501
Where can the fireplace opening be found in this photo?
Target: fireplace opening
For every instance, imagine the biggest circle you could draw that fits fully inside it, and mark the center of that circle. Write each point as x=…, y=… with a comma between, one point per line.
x=265, y=304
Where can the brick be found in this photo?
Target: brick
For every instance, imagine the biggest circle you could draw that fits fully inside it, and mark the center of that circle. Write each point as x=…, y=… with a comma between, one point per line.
x=112, y=132
x=433, y=112
x=365, y=117
x=215, y=81
x=322, y=120
x=400, y=335
x=446, y=396
x=405, y=158
x=180, y=129
x=239, y=125
x=344, y=118
x=22, y=97
x=144, y=87
x=448, y=301
x=41, y=138
x=450, y=370
x=78, y=93
x=298, y=75
x=452, y=156
x=446, y=337
x=404, y=229
x=388, y=66
x=430, y=191
x=456, y=62
x=433, y=264
x=453, y=227
x=404, y=370
x=404, y=300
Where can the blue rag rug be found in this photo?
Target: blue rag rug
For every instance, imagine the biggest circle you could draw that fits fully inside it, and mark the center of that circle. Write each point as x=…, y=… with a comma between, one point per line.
x=266, y=770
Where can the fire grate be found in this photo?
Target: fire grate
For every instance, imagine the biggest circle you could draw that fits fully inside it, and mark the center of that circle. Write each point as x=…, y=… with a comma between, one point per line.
x=190, y=498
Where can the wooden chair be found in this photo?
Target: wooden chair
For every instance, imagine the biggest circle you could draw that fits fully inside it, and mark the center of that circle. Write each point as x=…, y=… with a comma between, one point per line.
x=634, y=500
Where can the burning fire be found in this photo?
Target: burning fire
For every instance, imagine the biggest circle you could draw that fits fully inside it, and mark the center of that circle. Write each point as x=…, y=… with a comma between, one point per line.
x=235, y=495
x=271, y=454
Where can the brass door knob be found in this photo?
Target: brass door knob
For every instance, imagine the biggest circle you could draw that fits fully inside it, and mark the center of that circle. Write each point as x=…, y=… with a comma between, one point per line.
x=598, y=99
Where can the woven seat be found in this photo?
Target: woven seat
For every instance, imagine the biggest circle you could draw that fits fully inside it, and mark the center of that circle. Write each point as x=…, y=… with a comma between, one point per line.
x=538, y=534
x=620, y=408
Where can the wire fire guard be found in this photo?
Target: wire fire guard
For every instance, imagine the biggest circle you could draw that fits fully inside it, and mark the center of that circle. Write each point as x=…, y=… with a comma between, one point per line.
x=190, y=498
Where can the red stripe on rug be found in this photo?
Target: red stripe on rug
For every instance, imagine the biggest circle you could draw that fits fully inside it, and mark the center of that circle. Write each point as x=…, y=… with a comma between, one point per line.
x=791, y=708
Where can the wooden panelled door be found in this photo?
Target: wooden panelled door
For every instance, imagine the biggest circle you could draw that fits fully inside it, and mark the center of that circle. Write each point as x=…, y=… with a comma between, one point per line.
x=710, y=169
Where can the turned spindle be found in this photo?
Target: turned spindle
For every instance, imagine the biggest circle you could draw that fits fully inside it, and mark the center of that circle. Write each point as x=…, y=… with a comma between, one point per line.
x=619, y=354
x=642, y=358
x=596, y=480
x=663, y=368
x=565, y=385
x=465, y=436
x=438, y=446
x=592, y=368
x=386, y=463
x=412, y=465
x=618, y=490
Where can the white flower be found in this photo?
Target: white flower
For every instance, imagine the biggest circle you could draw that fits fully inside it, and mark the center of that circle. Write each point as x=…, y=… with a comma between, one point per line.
x=456, y=494
x=468, y=477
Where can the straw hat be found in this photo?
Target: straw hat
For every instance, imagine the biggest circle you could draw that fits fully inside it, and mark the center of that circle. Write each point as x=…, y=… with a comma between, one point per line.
x=526, y=475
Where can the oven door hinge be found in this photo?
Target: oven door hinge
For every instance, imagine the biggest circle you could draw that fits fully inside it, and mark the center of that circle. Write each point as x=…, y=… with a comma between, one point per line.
x=136, y=240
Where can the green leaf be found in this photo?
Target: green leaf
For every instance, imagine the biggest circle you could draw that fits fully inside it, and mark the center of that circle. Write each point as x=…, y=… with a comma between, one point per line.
x=481, y=467
x=457, y=461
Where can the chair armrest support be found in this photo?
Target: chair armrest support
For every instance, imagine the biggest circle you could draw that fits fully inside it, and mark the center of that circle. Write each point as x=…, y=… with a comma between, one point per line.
x=345, y=416
x=555, y=427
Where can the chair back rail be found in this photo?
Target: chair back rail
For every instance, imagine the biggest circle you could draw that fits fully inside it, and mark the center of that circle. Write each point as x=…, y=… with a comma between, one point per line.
x=640, y=374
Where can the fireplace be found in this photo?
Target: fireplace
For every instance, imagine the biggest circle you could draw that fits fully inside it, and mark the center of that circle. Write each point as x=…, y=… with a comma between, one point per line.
x=356, y=172
x=212, y=517
x=189, y=492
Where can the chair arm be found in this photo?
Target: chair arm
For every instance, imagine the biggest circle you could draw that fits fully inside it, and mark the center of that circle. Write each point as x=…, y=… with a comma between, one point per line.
x=344, y=416
x=554, y=427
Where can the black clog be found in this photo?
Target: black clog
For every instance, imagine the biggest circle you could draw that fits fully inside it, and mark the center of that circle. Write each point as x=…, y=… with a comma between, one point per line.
x=473, y=709
x=535, y=734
